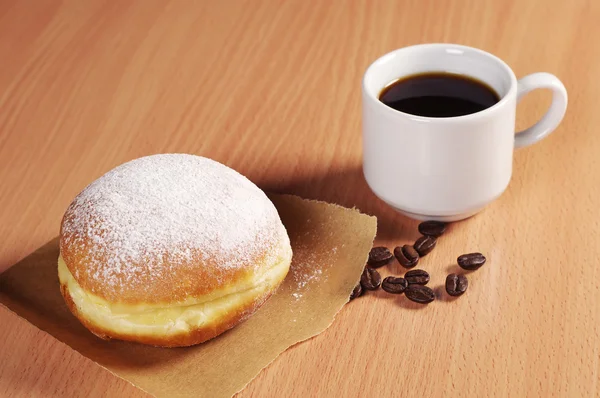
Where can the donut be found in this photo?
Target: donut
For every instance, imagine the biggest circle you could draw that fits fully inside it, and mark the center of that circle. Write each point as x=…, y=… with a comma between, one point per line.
x=170, y=250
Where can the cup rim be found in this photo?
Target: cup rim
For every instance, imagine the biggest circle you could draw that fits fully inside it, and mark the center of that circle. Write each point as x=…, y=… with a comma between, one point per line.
x=484, y=113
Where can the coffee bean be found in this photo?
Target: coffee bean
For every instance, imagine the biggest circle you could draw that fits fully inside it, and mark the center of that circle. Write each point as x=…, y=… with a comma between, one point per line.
x=417, y=277
x=407, y=256
x=456, y=284
x=424, y=245
x=394, y=285
x=357, y=292
x=471, y=261
x=379, y=256
x=432, y=228
x=419, y=294
x=370, y=279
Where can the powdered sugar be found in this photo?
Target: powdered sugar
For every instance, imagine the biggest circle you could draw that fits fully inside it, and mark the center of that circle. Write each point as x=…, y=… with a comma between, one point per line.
x=308, y=270
x=166, y=209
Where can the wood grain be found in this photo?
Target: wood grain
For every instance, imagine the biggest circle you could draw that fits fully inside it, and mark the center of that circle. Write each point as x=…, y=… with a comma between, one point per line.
x=271, y=88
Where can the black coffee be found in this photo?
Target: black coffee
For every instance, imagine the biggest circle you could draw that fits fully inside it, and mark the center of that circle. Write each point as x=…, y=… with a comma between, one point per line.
x=438, y=94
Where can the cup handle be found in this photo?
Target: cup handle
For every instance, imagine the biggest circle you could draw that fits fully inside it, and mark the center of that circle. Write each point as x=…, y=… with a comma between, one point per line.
x=553, y=116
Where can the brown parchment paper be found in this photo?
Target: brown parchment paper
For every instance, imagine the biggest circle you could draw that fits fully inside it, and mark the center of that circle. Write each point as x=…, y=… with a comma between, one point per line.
x=330, y=245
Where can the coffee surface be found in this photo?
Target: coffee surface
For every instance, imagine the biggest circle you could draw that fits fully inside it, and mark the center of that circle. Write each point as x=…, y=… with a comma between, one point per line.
x=438, y=94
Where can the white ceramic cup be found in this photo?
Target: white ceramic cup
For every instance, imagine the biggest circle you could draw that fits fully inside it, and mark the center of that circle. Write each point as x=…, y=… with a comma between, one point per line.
x=450, y=168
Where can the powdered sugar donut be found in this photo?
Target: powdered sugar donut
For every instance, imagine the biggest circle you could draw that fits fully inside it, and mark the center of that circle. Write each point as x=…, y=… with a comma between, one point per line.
x=170, y=250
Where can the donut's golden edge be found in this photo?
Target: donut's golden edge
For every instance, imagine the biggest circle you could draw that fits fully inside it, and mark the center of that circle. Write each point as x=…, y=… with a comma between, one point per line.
x=244, y=307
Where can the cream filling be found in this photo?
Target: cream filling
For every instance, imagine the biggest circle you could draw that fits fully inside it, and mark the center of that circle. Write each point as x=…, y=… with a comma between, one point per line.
x=160, y=320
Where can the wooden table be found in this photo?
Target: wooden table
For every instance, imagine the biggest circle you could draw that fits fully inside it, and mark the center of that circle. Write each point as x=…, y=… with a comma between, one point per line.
x=272, y=88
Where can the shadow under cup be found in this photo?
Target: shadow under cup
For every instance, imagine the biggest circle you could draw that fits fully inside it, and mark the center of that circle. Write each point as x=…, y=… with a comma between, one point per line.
x=445, y=168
